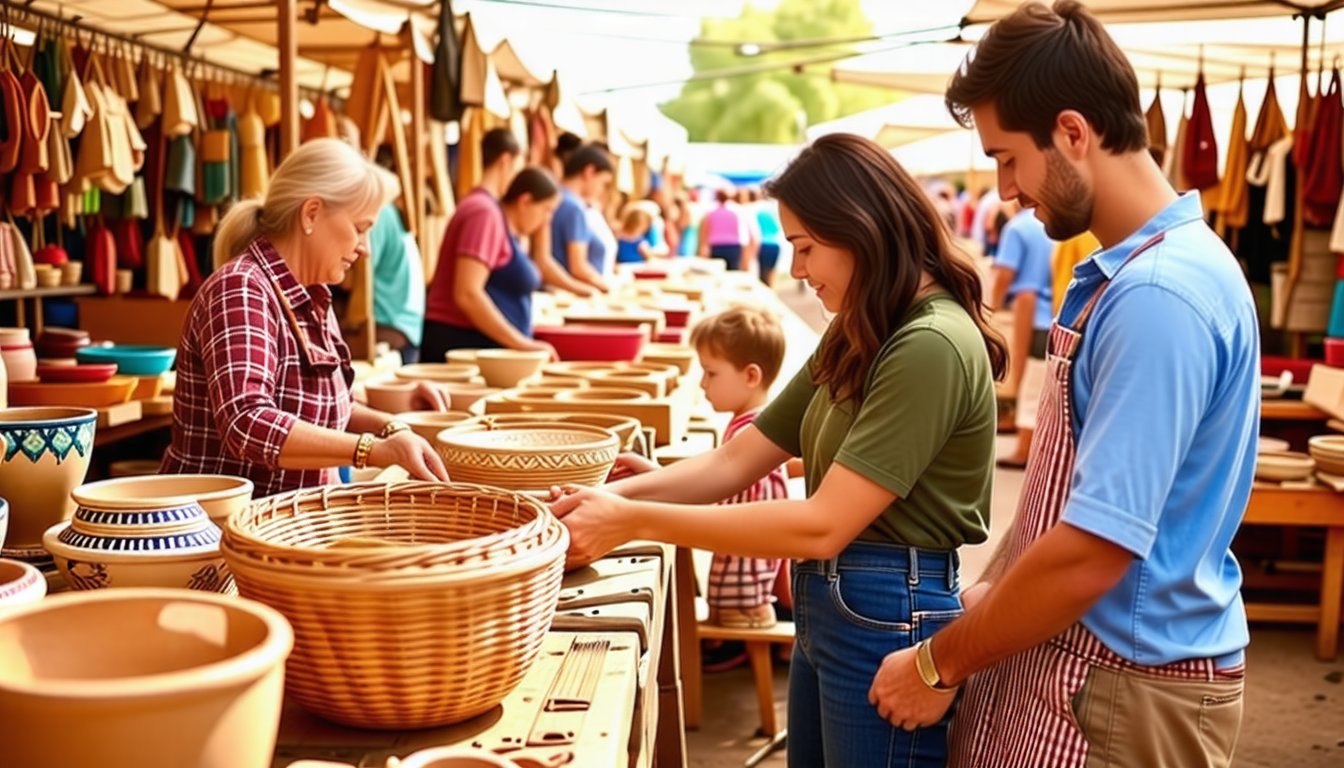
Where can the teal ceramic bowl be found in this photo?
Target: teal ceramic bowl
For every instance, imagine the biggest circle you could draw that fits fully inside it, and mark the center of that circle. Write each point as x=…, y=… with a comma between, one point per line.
x=131, y=360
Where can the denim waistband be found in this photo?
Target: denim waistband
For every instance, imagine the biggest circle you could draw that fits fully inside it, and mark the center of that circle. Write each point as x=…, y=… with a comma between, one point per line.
x=897, y=558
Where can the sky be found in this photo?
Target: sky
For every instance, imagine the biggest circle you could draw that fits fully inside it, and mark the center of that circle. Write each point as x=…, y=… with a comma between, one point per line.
x=596, y=51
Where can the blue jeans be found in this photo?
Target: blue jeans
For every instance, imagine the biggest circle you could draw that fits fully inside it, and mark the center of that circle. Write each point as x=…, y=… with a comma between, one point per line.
x=849, y=614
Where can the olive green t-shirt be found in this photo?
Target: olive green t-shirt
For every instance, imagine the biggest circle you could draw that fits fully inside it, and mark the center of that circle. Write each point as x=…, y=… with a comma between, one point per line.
x=925, y=429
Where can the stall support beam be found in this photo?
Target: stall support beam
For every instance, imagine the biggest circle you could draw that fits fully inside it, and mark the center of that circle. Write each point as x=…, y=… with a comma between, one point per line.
x=288, y=49
x=419, y=171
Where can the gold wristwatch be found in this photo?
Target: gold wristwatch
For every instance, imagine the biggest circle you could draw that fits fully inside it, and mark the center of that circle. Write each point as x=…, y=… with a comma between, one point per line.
x=928, y=671
x=393, y=427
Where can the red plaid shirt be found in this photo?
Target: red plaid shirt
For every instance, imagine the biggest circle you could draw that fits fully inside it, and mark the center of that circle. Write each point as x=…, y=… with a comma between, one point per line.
x=244, y=375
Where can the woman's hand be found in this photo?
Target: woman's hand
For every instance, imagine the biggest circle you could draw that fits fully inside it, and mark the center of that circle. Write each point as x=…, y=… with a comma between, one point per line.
x=543, y=346
x=412, y=453
x=429, y=397
x=598, y=522
x=629, y=464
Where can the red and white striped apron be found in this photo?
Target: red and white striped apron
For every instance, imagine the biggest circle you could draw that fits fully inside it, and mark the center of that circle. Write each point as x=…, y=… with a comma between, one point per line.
x=1019, y=712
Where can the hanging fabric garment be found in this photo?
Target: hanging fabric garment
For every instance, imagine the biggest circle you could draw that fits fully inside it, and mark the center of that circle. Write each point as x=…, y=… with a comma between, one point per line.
x=253, y=171
x=469, y=151
x=1157, y=128
x=445, y=99
x=1176, y=157
x=1200, y=160
x=1324, y=167
x=1280, y=181
x=1232, y=200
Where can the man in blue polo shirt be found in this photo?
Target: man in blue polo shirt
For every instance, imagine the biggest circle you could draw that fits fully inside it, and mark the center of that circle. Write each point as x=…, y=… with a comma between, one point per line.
x=574, y=241
x=1110, y=629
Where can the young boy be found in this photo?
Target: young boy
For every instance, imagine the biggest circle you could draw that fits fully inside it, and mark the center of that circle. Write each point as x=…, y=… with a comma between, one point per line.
x=741, y=351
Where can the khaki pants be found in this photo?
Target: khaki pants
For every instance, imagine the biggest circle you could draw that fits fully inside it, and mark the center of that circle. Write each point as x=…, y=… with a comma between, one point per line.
x=1132, y=720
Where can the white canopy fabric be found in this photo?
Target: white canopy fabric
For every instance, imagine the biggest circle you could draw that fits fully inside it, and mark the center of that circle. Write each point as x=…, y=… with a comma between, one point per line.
x=903, y=122
x=985, y=11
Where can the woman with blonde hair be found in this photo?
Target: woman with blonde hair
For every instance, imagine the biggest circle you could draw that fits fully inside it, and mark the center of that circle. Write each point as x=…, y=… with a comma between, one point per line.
x=263, y=375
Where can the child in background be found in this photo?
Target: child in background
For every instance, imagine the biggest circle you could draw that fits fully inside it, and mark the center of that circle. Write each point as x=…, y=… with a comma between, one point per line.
x=632, y=240
x=741, y=351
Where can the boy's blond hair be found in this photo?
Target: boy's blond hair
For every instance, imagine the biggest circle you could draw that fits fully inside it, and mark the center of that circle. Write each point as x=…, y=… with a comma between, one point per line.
x=743, y=335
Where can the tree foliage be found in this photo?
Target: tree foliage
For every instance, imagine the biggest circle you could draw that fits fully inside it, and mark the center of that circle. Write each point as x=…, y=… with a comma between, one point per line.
x=764, y=107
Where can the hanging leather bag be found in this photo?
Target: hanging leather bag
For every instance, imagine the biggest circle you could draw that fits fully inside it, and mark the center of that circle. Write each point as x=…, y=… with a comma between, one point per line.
x=150, y=85
x=100, y=254
x=179, y=104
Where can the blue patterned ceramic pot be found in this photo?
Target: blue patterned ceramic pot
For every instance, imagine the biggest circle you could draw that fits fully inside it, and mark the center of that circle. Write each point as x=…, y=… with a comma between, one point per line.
x=46, y=455
x=121, y=537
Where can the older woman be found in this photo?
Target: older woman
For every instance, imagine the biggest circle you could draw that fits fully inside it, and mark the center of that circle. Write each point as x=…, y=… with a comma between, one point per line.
x=263, y=379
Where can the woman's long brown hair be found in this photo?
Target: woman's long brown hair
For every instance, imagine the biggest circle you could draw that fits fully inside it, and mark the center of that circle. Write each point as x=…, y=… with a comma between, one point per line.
x=849, y=193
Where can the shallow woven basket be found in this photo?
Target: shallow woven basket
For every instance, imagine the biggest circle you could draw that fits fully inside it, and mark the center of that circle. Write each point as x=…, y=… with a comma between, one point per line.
x=414, y=605
x=527, y=457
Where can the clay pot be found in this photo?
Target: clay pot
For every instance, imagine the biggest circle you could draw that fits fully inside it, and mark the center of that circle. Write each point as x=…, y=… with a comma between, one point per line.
x=464, y=397
x=20, y=583
x=428, y=424
x=61, y=343
x=122, y=535
x=452, y=757
x=142, y=679
x=48, y=456
x=125, y=279
x=16, y=350
x=507, y=367
x=464, y=356
x=71, y=272
x=391, y=396
x=440, y=373
x=219, y=495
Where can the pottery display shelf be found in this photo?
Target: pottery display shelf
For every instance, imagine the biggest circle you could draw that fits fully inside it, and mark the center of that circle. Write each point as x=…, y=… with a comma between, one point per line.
x=667, y=416
x=615, y=661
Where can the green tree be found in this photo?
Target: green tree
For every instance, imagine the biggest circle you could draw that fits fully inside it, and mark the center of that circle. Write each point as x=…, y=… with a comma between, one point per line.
x=763, y=107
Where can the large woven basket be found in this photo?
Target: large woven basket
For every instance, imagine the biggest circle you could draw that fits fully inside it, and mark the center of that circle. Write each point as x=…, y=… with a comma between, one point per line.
x=527, y=457
x=414, y=605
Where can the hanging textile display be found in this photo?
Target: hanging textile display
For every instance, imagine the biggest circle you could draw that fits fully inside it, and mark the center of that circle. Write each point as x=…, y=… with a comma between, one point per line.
x=1176, y=155
x=1232, y=192
x=1324, y=167
x=445, y=98
x=1200, y=158
x=1261, y=244
x=1156, y=119
x=253, y=172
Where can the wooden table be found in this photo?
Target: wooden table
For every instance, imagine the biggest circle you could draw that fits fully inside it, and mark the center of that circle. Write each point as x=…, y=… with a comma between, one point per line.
x=1275, y=505
x=1290, y=410
x=635, y=718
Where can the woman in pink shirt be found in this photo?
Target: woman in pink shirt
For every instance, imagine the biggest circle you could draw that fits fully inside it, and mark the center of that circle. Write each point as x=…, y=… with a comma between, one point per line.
x=724, y=233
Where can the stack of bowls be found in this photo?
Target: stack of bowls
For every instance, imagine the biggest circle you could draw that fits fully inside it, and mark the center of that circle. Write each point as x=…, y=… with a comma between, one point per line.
x=1283, y=466
x=1328, y=453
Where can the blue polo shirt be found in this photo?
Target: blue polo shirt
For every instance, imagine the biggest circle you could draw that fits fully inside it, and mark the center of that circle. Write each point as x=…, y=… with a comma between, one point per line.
x=1027, y=250
x=1167, y=409
x=569, y=224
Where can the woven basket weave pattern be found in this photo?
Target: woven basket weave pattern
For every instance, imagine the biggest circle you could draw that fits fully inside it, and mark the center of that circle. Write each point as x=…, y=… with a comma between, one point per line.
x=433, y=628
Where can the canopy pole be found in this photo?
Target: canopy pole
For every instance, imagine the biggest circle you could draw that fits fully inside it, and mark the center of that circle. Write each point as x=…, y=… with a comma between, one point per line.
x=419, y=172
x=287, y=47
x=1297, y=346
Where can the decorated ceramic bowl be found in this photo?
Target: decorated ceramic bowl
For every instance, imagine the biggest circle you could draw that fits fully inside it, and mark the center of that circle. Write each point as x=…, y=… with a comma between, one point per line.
x=46, y=456
x=119, y=539
x=530, y=457
x=20, y=583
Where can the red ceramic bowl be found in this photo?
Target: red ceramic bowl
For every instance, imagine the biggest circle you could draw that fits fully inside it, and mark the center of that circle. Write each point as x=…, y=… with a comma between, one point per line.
x=593, y=342
x=672, y=336
x=649, y=274
x=677, y=318
x=75, y=374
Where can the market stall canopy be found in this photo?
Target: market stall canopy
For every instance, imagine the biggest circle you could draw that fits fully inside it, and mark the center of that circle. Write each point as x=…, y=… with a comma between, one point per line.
x=906, y=121
x=985, y=11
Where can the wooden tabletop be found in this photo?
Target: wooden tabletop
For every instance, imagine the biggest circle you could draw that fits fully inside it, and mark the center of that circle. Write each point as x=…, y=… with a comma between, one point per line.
x=1291, y=410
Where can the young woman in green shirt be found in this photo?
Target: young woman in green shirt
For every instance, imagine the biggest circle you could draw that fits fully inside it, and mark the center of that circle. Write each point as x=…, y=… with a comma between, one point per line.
x=894, y=417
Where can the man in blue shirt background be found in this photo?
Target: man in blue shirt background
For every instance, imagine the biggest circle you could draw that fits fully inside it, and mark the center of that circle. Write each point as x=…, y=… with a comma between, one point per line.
x=1022, y=277
x=574, y=244
x=1110, y=628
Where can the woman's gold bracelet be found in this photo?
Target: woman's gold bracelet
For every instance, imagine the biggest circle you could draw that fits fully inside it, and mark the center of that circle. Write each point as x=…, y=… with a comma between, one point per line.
x=362, y=450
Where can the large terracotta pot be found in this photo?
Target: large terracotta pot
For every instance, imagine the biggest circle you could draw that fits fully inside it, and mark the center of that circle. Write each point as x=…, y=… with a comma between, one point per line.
x=46, y=456
x=151, y=678
x=16, y=350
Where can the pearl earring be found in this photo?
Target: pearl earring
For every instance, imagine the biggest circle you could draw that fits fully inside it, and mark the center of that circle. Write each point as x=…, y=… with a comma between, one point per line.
x=308, y=231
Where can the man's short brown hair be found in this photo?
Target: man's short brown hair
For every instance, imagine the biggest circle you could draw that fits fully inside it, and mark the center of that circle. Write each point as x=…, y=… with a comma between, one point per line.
x=1040, y=61
x=743, y=335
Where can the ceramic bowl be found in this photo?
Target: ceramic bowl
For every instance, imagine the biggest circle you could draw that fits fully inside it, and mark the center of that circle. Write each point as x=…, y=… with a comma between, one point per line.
x=669, y=354
x=505, y=368
x=603, y=394
x=393, y=396
x=20, y=583
x=437, y=372
x=47, y=457
x=1278, y=467
x=117, y=389
x=1327, y=445
x=464, y=356
x=74, y=374
x=527, y=458
x=1271, y=445
x=142, y=679
x=131, y=360
x=121, y=537
x=428, y=424
x=593, y=342
x=451, y=757
x=219, y=495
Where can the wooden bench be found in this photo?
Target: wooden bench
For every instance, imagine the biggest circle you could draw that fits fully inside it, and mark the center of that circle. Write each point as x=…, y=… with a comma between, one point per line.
x=758, y=642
